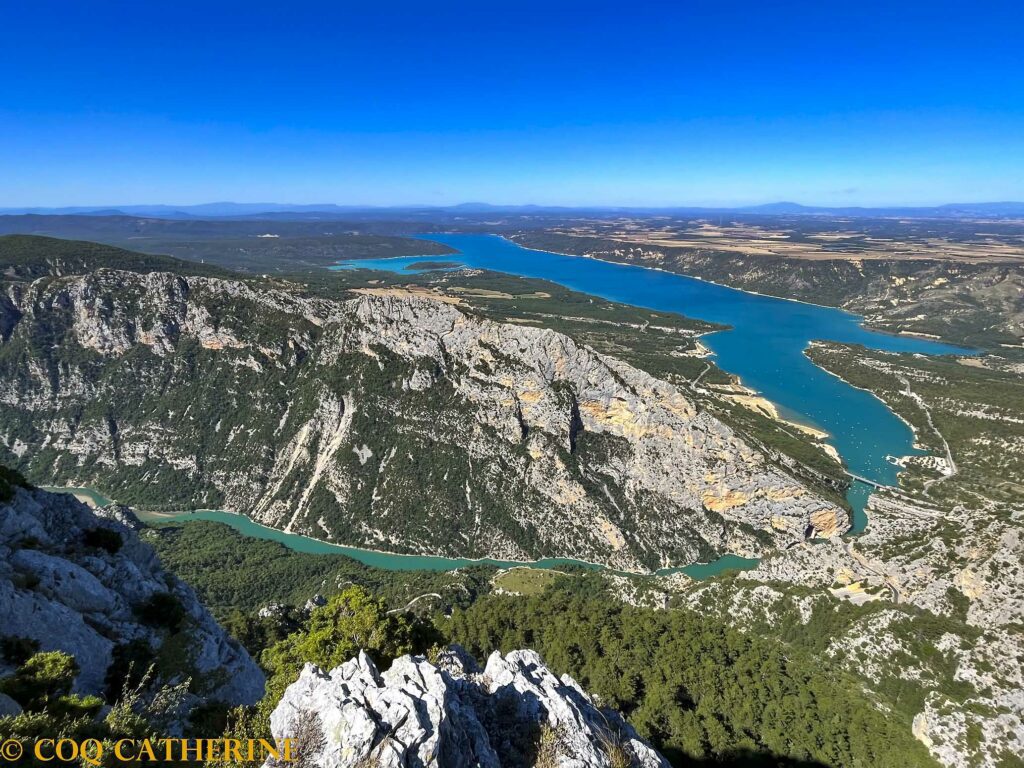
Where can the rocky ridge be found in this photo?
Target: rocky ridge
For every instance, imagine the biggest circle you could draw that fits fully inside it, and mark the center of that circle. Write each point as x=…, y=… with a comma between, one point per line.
x=537, y=446
x=78, y=581
x=963, y=654
x=514, y=712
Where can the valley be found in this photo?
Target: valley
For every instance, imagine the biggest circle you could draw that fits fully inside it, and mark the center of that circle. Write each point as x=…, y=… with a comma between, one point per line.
x=343, y=393
x=318, y=392
x=512, y=385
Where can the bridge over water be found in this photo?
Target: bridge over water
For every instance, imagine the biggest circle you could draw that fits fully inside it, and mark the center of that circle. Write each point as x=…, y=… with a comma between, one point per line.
x=879, y=486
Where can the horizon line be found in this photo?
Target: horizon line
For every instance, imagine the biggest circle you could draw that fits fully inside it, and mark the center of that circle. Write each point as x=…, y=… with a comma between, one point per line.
x=313, y=207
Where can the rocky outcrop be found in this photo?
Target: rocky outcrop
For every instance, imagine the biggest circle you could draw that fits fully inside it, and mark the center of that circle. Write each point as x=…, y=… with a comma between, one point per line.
x=514, y=712
x=401, y=424
x=914, y=558
x=79, y=581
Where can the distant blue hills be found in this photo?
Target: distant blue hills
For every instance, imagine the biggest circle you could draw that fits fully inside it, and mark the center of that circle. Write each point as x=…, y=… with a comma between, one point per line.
x=329, y=210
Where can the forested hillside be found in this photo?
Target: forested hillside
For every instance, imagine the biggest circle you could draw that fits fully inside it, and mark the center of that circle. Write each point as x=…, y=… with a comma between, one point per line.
x=27, y=257
x=696, y=688
x=699, y=688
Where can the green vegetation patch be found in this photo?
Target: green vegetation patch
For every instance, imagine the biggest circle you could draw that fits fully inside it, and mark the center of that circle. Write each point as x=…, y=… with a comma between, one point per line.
x=696, y=688
x=28, y=257
x=235, y=574
x=525, y=581
x=9, y=480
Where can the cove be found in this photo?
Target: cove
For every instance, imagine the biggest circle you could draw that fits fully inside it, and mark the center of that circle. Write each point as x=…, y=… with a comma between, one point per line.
x=764, y=346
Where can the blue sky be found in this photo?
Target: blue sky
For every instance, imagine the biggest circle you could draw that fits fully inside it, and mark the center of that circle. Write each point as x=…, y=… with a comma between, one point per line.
x=640, y=103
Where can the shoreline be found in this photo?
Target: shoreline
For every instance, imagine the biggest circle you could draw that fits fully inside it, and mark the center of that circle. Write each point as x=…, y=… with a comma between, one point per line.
x=862, y=320
x=177, y=517
x=755, y=401
x=911, y=427
x=470, y=561
x=184, y=515
x=678, y=274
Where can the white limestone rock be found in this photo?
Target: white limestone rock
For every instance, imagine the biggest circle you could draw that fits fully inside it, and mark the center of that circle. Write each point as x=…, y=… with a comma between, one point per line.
x=516, y=712
x=83, y=600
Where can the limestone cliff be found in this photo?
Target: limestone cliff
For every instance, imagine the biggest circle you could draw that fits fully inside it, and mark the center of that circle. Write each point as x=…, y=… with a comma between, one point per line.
x=401, y=424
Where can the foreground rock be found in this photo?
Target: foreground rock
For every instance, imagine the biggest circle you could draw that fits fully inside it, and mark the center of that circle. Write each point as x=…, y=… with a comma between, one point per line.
x=515, y=712
x=82, y=582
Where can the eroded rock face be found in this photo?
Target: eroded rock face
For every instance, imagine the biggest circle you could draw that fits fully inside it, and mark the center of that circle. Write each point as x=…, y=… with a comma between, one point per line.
x=905, y=562
x=84, y=598
x=515, y=712
x=400, y=424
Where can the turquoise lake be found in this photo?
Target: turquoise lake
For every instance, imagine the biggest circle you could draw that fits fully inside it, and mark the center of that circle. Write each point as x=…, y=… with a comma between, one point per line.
x=765, y=346
x=393, y=562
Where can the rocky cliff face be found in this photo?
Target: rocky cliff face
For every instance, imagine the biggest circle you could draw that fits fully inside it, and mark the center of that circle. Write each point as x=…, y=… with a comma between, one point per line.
x=402, y=424
x=514, y=712
x=82, y=582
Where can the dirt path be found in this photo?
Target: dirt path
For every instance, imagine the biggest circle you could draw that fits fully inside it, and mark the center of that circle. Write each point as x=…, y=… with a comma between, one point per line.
x=867, y=565
x=928, y=415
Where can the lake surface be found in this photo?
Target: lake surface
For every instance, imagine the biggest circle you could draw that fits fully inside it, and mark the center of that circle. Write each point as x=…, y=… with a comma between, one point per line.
x=765, y=346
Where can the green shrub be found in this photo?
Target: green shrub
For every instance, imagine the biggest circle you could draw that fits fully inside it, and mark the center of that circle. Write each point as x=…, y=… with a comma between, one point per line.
x=9, y=480
x=42, y=679
x=28, y=726
x=162, y=610
x=351, y=621
x=73, y=706
x=129, y=664
x=103, y=538
x=209, y=719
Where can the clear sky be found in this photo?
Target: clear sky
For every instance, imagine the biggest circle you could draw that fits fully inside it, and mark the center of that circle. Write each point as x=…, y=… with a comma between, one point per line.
x=625, y=103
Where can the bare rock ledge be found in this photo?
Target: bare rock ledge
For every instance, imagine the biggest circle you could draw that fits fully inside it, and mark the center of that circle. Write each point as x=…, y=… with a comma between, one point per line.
x=515, y=712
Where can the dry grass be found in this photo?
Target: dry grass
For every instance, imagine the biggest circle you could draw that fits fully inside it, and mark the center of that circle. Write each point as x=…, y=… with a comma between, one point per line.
x=548, y=748
x=749, y=240
x=617, y=753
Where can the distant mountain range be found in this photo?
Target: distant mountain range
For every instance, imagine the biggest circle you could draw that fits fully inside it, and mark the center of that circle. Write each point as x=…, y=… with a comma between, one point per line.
x=948, y=211
x=201, y=211
x=329, y=210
